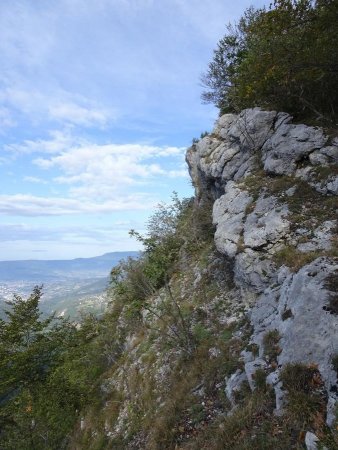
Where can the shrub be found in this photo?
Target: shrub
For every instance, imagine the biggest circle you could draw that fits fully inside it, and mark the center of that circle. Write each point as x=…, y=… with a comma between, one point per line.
x=283, y=57
x=270, y=343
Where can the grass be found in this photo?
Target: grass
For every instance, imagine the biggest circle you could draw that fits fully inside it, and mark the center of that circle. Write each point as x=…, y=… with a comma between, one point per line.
x=270, y=344
x=323, y=172
x=293, y=258
x=175, y=400
x=254, y=426
x=306, y=204
x=306, y=402
x=335, y=363
x=332, y=285
x=254, y=348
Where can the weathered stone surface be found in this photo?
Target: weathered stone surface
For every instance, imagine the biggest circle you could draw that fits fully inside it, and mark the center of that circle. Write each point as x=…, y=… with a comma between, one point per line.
x=229, y=152
x=311, y=441
x=253, y=223
x=251, y=368
x=289, y=145
x=325, y=156
x=310, y=333
x=273, y=380
x=252, y=272
x=234, y=384
x=251, y=128
x=224, y=123
x=318, y=158
x=228, y=215
x=332, y=185
x=267, y=224
x=331, y=153
x=322, y=238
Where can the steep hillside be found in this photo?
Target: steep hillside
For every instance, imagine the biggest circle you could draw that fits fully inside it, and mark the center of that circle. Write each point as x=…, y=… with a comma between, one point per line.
x=236, y=347
x=222, y=335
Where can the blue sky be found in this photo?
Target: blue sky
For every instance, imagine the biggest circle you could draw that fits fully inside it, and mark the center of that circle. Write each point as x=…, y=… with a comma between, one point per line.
x=99, y=100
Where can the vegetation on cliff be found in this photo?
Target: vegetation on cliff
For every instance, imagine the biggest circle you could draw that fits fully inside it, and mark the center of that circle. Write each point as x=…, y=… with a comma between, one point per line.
x=283, y=57
x=208, y=339
x=153, y=372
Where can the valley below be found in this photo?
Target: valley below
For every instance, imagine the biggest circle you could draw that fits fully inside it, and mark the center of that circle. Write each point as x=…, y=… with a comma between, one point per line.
x=70, y=287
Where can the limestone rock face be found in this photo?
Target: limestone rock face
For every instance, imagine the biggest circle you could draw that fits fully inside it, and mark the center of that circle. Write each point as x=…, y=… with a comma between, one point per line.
x=289, y=145
x=267, y=224
x=228, y=153
x=242, y=143
x=299, y=310
x=228, y=216
x=273, y=185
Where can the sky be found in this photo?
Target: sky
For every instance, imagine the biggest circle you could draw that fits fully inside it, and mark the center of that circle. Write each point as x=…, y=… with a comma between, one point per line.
x=99, y=100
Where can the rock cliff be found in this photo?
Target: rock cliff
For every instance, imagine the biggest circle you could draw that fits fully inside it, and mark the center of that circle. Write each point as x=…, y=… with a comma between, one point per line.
x=273, y=185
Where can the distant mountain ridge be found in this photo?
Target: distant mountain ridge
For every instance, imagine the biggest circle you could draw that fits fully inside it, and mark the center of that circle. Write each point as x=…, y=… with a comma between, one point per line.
x=49, y=270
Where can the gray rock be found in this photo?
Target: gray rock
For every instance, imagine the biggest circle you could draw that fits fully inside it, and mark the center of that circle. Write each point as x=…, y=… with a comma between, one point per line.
x=223, y=124
x=331, y=152
x=322, y=239
x=317, y=158
x=266, y=224
x=273, y=380
x=304, y=173
x=332, y=185
x=247, y=356
x=228, y=153
x=251, y=128
x=311, y=441
x=288, y=146
x=290, y=192
x=217, y=164
x=252, y=272
x=251, y=368
x=282, y=118
x=234, y=384
x=228, y=216
x=331, y=410
x=310, y=336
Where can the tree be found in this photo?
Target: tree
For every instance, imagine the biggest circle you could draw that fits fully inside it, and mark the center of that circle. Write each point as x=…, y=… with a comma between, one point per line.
x=162, y=241
x=48, y=372
x=284, y=57
x=230, y=52
x=25, y=347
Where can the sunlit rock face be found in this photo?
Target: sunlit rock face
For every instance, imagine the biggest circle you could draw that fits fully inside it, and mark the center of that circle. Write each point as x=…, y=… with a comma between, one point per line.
x=273, y=184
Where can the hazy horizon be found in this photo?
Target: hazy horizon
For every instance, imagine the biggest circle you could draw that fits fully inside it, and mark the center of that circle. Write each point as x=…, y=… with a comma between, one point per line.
x=70, y=259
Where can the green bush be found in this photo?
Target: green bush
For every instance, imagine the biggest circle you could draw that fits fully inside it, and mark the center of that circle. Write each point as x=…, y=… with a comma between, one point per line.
x=284, y=57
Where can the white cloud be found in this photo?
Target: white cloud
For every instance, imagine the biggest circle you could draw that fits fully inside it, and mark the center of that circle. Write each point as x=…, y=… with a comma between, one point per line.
x=35, y=180
x=99, y=171
x=29, y=205
x=79, y=115
x=58, y=142
x=61, y=106
x=95, y=179
x=22, y=231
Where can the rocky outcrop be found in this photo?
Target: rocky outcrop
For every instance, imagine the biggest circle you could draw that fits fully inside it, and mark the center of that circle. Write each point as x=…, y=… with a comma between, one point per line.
x=241, y=143
x=273, y=184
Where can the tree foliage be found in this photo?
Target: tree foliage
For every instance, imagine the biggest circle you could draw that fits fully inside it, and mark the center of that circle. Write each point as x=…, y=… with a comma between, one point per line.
x=284, y=57
x=162, y=241
x=25, y=348
x=48, y=372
